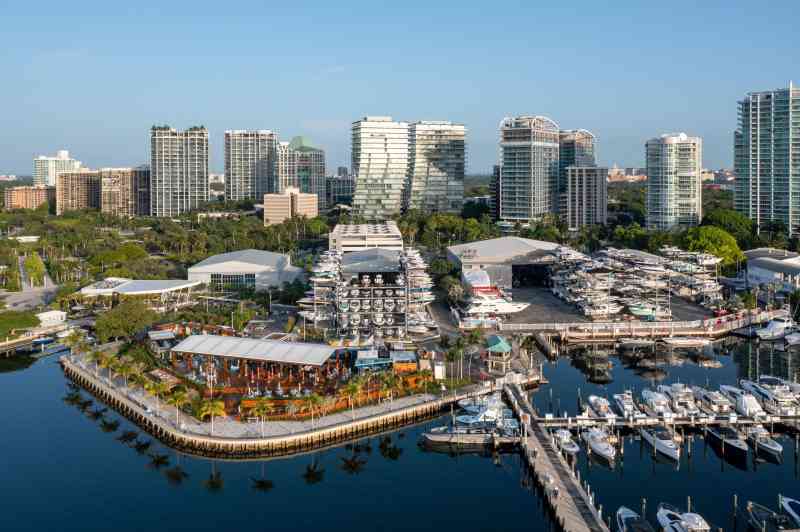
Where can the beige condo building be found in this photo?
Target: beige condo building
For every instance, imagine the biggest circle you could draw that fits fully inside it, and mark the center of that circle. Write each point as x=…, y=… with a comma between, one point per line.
x=280, y=207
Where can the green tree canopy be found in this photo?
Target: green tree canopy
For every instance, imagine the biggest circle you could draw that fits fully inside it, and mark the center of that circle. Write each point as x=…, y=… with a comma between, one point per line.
x=124, y=320
x=737, y=224
x=714, y=240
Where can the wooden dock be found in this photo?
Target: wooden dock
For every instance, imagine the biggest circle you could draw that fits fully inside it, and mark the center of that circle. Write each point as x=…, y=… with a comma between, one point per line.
x=571, y=502
x=275, y=445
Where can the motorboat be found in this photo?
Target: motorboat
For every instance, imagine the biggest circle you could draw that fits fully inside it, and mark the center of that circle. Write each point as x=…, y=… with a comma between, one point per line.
x=776, y=382
x=635, y=343
x=712, y=401
x=630, y=521
x=762, y=441
x=474, y=405
x=775, y=400
x=776, y=329
x=686, y=341
x=626, y=406
x=565, y=442
x=672, y=519
x=681, y=399
x=662, y=440
x=597, y=441
x=792, y=339
x=762, y=518
x=600, y=406
x=656, y=403
x=730, y=440
x=744, y=403
x=790, y=507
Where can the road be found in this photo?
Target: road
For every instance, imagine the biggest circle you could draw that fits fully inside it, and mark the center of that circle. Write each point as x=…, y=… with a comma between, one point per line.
x=30, y=297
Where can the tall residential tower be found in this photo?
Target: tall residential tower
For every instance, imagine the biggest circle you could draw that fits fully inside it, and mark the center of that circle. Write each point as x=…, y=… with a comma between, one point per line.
x=46, y=169
x=249, y=164
x=674, y=193
x=767, y=158
x=436, y=166
x=178, y=170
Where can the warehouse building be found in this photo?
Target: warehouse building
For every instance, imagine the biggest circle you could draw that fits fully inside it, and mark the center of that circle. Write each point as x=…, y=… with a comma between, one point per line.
x=249, y=269
x=509, y=261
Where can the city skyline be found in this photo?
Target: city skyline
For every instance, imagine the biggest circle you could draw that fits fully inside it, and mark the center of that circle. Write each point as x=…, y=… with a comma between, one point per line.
x=323, y=83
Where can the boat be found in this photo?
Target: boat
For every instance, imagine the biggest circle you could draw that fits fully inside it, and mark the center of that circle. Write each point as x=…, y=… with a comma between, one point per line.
x=730, y=440
x=771, y=382
x=776, y=329
x=600, y=406
x=776, y=400
x=656, y=403
x=672, y=519
x=630, y=521
x=790, y=507
x=625, y=405
x=763, y=443
x=686, y=341
x=473, y=405
x=565, y=442
x=762, y=518
x=681, y=399
x=745, y=404
x=597, y=441
x=792, y=339
x=457, y=435
x=662, y=440
x=635, y=343
x=712, y=401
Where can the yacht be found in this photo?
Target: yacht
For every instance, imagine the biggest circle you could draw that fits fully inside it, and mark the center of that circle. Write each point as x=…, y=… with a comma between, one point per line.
x=485, y=304
x=775, y=400
x=765, y=520
x=597, y=441
x=745, y=404
x=630, y=521
x=600, y=406
x=565, y=442
x=790, y=507
x=656, y=403
x=625, y=405
x=681, y=399
x=712, y=401
x=673, y=520
x=662, y=440
x=731, y=441
x=685, y=341
x=776, y=329
x=634, y=343
x=792, y=339
x=762, y=441
x=770, y=382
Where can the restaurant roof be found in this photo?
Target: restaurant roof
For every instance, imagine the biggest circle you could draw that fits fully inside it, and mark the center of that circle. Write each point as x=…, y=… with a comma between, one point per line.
x=256, y=349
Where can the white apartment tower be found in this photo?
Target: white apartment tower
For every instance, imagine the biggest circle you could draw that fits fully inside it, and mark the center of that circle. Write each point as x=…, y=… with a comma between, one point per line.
x=586, y=196
x=249, y=164
x=178, y=170
x=380, y=166
x=46, y=169
x=767, y=158
x=436, y=163
x=526, y=187
x=674, y=193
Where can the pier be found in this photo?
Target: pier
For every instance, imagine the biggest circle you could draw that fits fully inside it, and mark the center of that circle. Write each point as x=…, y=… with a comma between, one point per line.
x=572, y=503
x=281, y=441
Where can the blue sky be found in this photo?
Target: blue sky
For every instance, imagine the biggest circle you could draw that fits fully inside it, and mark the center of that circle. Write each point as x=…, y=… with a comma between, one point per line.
x=92, y=77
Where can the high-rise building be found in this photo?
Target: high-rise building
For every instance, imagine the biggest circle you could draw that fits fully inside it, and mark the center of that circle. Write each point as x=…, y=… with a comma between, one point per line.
x=291, y=202
x=529, y=168
x=46, y=169
x=436, y=163
x=178, y=170
x=339, y=190
x=494, y=190
x=379, y=165
x=301, y=165
x=122, y=191
x=767, y=157
x=28, y=197
x=77, y=191
x=249, y=164
x=674, y=190
x=342, y=171
x=576, y=147
x=586, y=196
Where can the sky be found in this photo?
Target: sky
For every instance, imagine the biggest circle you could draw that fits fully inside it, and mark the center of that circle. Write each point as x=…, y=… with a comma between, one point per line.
x=92, y=77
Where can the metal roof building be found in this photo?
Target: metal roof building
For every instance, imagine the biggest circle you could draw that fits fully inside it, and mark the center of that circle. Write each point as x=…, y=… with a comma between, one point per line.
x=255, y=349
x=372, y=261
x=248, y=268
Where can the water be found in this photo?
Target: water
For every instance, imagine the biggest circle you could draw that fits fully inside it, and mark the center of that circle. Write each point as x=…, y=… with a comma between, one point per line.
x=61, y=471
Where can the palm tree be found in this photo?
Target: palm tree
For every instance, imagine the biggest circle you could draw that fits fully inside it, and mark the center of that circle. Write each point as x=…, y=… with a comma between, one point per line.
x=211, y=407
x=96, y=356
x=178, y=399
x=351, y=390
x=156, y=389
x=261, y=409
x=125, y=369
x=312, y=402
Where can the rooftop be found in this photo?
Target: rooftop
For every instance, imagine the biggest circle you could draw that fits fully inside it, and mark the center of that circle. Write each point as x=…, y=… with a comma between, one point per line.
x=778, y=254
x=120, y=285
x=775, y=265
x=388, y=228
x=502, y=249
x=256, y=349
x=255, y=257
x=376, y=260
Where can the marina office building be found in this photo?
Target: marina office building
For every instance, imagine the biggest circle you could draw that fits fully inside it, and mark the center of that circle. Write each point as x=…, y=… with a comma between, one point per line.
x=767, y=157
x=674, y=187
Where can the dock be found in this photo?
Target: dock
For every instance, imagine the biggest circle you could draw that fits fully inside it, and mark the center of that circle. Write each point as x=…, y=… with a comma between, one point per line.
x=571, y=502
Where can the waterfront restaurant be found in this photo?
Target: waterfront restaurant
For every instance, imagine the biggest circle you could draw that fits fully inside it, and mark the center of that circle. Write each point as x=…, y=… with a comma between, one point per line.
x=271, y=367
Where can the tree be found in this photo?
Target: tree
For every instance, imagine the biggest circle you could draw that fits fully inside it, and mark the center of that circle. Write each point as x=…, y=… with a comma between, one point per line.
x=312, y=403
x=261, y=409
x=734, y=222
x=711, y=239
x=351, y=390
x=210, y=408
x=178, y=399
x=156, y=389
x=124, y=321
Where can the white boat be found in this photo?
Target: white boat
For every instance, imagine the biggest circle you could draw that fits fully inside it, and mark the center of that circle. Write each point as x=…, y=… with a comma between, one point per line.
x=732, y=441
x=419, y=329
x=744, y=403
x=565, y=442
x=656, y=403
x=662, y=440
x=634, y=343
x=626, y=406
x=672, y=519
x=630, y=521
x=600, y=406
x=597, y=441
x=776, y=400
x=776, y=329
x=712, y=401
x=681, y=399
x=686, y=341
x=790, y=507
x=762, y=441
x=771, y=382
